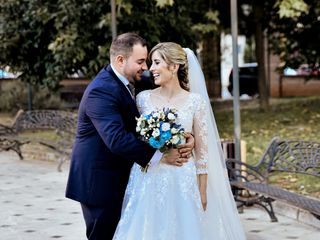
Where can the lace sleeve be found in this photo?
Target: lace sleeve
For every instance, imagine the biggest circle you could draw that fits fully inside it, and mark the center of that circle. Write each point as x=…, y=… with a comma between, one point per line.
x=200, y=129
x=140, y=100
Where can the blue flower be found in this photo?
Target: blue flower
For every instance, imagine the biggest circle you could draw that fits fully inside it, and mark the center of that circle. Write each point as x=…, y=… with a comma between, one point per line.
x=165, y=136
x=155, y=143
x=160, y=128
x=147, y=116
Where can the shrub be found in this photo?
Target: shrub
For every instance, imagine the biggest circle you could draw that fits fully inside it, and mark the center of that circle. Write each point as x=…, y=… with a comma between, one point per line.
x=14, y=96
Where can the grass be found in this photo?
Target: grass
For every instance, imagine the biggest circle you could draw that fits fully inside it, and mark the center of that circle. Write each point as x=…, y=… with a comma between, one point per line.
x=296, y=118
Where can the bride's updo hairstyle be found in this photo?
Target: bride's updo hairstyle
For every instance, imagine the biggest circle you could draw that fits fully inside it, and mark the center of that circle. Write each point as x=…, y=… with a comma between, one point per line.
x=173, y=53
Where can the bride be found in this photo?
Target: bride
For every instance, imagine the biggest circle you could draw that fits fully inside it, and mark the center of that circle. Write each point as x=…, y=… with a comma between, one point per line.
x=189, y=202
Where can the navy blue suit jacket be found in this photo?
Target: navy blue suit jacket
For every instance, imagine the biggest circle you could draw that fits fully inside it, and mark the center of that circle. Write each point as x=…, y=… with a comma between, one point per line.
x=106, y=145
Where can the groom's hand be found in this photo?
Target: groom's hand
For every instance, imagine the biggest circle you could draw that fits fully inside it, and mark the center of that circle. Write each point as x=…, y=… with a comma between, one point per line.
x=173, y=157
x=185, y=150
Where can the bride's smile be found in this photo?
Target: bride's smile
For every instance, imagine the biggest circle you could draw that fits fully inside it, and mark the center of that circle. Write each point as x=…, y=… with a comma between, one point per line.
x=163, y=73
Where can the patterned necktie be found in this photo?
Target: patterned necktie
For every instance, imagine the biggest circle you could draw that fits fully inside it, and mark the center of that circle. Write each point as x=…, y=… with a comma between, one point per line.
x=132, y=89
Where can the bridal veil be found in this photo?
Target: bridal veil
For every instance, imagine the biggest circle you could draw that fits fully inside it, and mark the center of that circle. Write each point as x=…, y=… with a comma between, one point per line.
x=221, y=208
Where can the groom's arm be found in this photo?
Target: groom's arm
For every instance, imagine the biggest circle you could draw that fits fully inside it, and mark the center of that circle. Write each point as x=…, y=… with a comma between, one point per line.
x=104, y=112
x=153, y=162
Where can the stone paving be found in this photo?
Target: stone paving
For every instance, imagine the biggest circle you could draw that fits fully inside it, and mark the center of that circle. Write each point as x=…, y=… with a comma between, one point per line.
x=33, y=207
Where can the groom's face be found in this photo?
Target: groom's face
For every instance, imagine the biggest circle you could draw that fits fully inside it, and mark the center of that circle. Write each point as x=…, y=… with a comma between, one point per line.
x=135, y=64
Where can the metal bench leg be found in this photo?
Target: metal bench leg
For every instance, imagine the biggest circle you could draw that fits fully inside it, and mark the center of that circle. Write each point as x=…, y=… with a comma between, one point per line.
x=240, y=208
x=266, y=203
x=61, y=161
x=18, y=151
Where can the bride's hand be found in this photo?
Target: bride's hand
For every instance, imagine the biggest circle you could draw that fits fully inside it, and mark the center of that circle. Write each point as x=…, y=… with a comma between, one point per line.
x=202, y=182
x=185, y=150
x=173, y=157
x=203, y=195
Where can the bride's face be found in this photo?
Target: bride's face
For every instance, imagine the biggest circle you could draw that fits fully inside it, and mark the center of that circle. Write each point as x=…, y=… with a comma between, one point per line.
x=160, y=70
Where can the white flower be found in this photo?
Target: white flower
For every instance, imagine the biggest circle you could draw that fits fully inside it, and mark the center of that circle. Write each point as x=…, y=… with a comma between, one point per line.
x=156, y=132
x=140, y=122
x=162, y=115
x=165, y=127
x=142, y=132
x=175, y=139
x=149, y=126
x=171, y=116
x=183, y=139
x=174, y=130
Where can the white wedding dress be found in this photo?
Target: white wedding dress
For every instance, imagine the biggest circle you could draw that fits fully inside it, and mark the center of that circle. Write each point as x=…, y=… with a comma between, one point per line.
x=164, y=203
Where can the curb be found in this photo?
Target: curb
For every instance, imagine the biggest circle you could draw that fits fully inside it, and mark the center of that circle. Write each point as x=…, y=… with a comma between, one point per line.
x=38, y=152
x=295, y=213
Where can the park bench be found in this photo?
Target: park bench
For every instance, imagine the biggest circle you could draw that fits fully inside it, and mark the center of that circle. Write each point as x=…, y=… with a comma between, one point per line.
x=60, y=124
x=251, y=184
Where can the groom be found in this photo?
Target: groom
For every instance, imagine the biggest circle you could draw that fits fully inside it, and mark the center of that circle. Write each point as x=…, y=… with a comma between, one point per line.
x=106, y=145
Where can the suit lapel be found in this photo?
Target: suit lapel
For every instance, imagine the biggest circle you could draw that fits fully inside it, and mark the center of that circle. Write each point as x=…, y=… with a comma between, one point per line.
x=125, y=91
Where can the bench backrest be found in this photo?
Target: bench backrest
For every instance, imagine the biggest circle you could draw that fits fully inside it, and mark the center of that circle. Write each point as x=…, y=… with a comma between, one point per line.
x=291, y=156
x=6, y=130
x=45, y=119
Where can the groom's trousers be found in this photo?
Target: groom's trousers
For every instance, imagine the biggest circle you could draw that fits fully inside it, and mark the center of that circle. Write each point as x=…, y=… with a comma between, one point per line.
x=100, y=226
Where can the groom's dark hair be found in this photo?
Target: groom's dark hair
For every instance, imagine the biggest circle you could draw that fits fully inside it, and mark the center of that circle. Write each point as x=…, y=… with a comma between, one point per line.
x=123, y=44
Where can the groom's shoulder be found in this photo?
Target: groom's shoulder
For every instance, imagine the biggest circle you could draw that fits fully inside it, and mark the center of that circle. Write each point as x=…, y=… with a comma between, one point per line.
x=105, y=74
x=105, y=78
x=104, y=83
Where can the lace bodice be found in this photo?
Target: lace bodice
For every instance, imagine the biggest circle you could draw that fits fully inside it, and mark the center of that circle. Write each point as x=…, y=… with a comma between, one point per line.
x=193, y=118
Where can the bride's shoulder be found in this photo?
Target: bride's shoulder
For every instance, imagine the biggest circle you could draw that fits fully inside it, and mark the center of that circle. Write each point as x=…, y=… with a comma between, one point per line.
x=197, y=100
x=143, y=94
x=196, y=96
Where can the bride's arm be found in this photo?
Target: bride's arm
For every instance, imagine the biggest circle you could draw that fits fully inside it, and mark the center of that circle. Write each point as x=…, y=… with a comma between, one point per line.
x=202, y=182
x=201, y=148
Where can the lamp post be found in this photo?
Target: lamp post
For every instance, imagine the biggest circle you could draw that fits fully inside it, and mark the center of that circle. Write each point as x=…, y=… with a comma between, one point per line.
x=29, y=96
x=235, y=75
x=113, y=19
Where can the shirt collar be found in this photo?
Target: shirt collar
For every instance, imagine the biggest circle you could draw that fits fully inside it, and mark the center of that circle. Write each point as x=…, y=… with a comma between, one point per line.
x=122, y=78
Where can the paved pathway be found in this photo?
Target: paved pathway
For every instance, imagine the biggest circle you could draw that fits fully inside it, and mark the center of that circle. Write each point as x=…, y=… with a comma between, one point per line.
x=33, y=207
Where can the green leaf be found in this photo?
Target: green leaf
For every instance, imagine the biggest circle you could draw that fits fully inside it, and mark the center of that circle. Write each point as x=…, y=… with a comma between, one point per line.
x=291, y=8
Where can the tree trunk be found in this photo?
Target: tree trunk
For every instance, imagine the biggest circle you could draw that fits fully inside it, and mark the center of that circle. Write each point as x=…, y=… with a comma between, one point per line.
x=260, y=56
x=211, y=65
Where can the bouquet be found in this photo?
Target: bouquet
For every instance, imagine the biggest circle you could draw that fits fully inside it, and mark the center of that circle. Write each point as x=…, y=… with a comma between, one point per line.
x=160, y=129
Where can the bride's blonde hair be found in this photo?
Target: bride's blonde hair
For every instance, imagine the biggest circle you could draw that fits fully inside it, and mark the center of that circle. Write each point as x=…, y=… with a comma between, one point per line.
x=173, y=53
